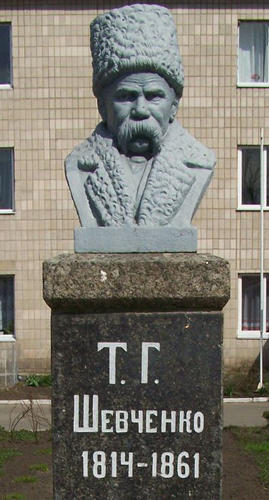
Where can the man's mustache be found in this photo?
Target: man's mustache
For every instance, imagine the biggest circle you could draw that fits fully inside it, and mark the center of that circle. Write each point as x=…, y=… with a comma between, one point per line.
x=131, y=129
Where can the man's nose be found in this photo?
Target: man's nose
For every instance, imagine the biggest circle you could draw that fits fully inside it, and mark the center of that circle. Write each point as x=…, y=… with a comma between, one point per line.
x=140, y=109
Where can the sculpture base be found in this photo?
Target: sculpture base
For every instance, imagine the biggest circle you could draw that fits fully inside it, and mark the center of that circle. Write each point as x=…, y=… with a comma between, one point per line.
x=153, y=432
x=136, y=364
x=135, y=239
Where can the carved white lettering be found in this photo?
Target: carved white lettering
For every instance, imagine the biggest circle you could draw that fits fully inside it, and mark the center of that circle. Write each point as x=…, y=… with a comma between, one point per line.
x=185, y=421
x=149, y=421
x=198, y=422
x=145, y=359
x=168, y=421
x=86, y=427
x=167, y=464
x=137, y=420
x=112, y=347
x=121, y=421
x=105, y=420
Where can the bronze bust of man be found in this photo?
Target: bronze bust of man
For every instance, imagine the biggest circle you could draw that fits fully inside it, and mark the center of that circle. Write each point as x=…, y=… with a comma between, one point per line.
x=140, y=168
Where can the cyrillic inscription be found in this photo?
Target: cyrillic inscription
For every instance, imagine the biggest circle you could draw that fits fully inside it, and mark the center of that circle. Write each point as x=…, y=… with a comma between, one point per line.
x=90, y=417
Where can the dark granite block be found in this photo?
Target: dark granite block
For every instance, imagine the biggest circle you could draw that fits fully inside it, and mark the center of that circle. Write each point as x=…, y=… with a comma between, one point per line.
x=155, y=430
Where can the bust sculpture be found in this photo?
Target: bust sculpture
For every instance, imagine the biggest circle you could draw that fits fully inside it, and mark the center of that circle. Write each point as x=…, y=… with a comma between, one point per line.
x=138, y=180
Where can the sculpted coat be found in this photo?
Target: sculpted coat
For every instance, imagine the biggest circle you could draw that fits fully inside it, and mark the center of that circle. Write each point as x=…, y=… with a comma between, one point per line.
x=101, y=187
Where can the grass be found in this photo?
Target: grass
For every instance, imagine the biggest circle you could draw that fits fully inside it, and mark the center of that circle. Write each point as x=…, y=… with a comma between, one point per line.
x=29, y=474
x=16, y=436
x=39, y=467
x=255, y=440
x=14, y=496
x=35, y=380
x=261, y=455
x=44, y=451
x=25, y=479
x=6, y=455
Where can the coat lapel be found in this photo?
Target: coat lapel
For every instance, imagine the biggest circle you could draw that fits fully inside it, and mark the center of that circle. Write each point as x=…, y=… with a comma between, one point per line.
x=107, y=184
x=172, y=176
x=169, y=181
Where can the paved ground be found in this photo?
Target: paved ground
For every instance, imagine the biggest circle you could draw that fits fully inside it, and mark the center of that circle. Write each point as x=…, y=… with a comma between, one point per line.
x=12, y=412
x=240, y=414
x=245, y=414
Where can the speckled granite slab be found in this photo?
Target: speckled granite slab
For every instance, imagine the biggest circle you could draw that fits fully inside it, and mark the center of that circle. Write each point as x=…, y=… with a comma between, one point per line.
x=136, y=395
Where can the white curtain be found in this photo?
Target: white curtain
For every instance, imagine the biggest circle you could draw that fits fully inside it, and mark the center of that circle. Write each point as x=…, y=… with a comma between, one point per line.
x=251, y=303
x=253, y=52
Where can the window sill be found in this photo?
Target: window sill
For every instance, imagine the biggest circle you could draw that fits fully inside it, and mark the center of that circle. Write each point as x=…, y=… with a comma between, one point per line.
x=7, y=338
x=7, y=212
x=251, y=208
x=251, y=335
x=253, y=85
x=6, y=86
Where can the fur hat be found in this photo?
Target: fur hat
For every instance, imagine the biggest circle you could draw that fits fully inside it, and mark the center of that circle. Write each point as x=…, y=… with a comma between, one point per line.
x=135, y=38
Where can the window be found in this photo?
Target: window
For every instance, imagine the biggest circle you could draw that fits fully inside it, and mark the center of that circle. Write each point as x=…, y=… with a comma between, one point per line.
x=7, y=305
x=249, y=188
x=5, y=54
x=249, y=306
x=6, y=180
x=253, y=67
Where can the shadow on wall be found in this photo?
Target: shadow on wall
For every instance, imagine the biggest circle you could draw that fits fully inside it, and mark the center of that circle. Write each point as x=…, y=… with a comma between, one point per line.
x=256, y=364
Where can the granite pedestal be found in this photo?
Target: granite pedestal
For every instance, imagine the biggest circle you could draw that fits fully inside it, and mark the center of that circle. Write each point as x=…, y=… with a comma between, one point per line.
x=136, y=360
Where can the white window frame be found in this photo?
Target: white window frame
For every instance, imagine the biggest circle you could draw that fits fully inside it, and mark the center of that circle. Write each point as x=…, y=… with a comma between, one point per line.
x=249, y=207
x=248, y=84
x=7, y=211
x=5, y=337
x=8, y=86
x=249, y=334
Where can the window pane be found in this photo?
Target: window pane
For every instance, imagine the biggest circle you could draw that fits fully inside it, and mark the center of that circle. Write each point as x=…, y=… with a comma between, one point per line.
x=253, y=52
x=5, y=54
x=267, y=177
x=6, y=179
x=250, y=176
x=251, y=188
x=267, y=303
x=250, y=302
x=7, y=304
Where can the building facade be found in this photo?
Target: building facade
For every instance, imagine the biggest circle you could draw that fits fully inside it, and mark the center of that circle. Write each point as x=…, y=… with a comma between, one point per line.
x=47, y=107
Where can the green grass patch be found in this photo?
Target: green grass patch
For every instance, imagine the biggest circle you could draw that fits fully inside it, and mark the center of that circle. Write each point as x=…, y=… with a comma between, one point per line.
x=4, y=435
x=44, y=451
x=25, y=479
x=16, y=436
x=39, y=467
x=34, y=380
x=15, y=496
x=22, y=435
x=7, y=455
x=255, y=440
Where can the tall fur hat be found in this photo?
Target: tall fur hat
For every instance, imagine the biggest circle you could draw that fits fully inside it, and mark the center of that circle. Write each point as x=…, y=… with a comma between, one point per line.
x=135, y=38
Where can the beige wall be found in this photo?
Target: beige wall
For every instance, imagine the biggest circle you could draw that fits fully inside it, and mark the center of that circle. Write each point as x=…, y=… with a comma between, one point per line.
x=51, y=109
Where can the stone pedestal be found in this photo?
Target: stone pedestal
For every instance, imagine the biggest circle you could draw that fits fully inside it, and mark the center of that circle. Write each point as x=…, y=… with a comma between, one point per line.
x=136, y=359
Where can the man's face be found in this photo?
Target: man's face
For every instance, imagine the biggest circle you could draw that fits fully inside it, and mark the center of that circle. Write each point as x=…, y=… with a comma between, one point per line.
x=138, y=109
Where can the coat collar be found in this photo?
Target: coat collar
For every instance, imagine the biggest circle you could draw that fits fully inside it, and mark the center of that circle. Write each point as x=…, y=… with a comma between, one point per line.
x=169, y=181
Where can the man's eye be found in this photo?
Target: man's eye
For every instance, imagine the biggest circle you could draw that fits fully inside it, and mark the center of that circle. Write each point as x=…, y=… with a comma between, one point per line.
x=126, y=96
x=154, y=96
